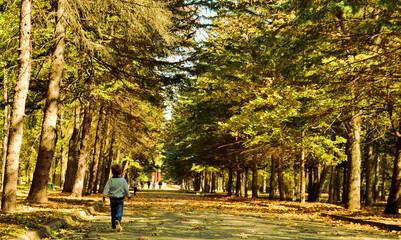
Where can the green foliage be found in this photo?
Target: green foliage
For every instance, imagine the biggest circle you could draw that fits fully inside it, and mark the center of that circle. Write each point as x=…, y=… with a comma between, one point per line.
x=286, y=75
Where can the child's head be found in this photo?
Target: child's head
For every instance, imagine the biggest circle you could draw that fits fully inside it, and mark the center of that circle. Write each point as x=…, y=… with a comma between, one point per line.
x=116, y=169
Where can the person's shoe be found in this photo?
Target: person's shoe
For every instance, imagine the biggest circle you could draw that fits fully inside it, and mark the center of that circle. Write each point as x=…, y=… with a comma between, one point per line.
x=118, y=226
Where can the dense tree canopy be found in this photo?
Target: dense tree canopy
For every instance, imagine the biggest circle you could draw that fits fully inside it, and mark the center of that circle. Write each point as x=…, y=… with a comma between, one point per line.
x=304, y=94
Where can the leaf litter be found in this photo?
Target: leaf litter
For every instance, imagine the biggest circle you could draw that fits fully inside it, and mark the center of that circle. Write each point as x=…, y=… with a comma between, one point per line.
x=31, y=216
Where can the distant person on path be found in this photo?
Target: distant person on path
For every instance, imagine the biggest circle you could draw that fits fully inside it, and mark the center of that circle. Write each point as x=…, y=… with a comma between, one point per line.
x=135, y=185
x=116, y=187
x=148, y=184
x=160, y=184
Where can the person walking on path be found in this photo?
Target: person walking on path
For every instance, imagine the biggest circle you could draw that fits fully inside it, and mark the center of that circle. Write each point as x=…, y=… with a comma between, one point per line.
x=135, y=185
x=117, y=188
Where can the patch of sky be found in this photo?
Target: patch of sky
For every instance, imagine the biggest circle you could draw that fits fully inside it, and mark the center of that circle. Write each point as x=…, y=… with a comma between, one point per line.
x=205, y=16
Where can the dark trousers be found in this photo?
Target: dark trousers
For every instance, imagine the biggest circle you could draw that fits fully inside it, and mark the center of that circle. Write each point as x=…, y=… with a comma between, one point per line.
x=116, y=206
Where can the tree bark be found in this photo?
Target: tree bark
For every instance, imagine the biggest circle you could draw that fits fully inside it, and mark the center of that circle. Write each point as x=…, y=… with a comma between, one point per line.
x=321, y=180
x=376, y=187
x=384, y=178
x=99, y=172
x=281, y=186
x=38, y=191
x=311, y=184
x=103, y=159
x=302, y=176
x=118, y=154
x=79, y=182
x=246, y=182
x=197, y=182
x=394, y=198
x=354, y=173
x=102, y=138
x=125, y=166
x=6, y=127
x=107, y=164
x=369, y=172
x=345, y=180
x=220, y=184
x=264, y=183
x=254, y=178
x=213, y=184
x=337, y=186
x=273, y=184
x=63, y=150
x=332, y=185
x=9, y=194
x=230, y=181
x=93, y=171
x=239, y=183
x=206, y=181
x=73, y=152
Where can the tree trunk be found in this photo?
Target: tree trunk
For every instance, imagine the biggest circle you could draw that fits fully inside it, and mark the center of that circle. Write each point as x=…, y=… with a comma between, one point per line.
x=230, y=182
x=335, y=191
x=63, y=151
x=295, y=189
x=345, y=181
x=93, y=171
x=125, y=167
x=332, y=185
x=369, y=172
x=254, y=178
x=302, y=176
x=246, y=181
x=273, y=184
x=354, y=173
x=394, y=198
x=79, y=182
x=118, y=154
x=384, y=178
x=102, y=139
x=220, y=184
x=73, y=152
x=107, y=164
x=321, y=180
x=197, y=182
x=264, y=183
x=9, y=195
x=281, y=186
x=38, y=191
x=206, y=180
x=376, y=187
x=103, y=175
x=101, y=163
x=238, y=184
x=6, y=126
x=311, y=184
x=213, y=187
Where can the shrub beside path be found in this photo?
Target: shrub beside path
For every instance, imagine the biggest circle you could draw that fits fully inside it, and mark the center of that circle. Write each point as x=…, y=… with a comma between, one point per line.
x=158, y=214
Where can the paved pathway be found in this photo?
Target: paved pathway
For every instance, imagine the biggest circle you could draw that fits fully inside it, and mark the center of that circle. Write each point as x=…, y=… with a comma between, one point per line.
x=158, y=222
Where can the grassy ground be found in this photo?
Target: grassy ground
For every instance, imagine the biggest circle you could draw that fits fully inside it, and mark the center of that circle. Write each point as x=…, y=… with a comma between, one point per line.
x=31, y=216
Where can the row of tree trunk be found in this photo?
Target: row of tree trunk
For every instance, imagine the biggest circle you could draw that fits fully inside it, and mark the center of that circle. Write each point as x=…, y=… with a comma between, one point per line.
x=320, y=178
x=83, y=178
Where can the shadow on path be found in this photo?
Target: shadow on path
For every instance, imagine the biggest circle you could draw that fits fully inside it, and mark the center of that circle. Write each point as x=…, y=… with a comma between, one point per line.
x=162, y=214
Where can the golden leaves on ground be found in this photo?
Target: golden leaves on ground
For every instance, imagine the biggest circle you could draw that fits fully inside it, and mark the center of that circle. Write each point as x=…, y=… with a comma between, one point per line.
x=147, y=204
